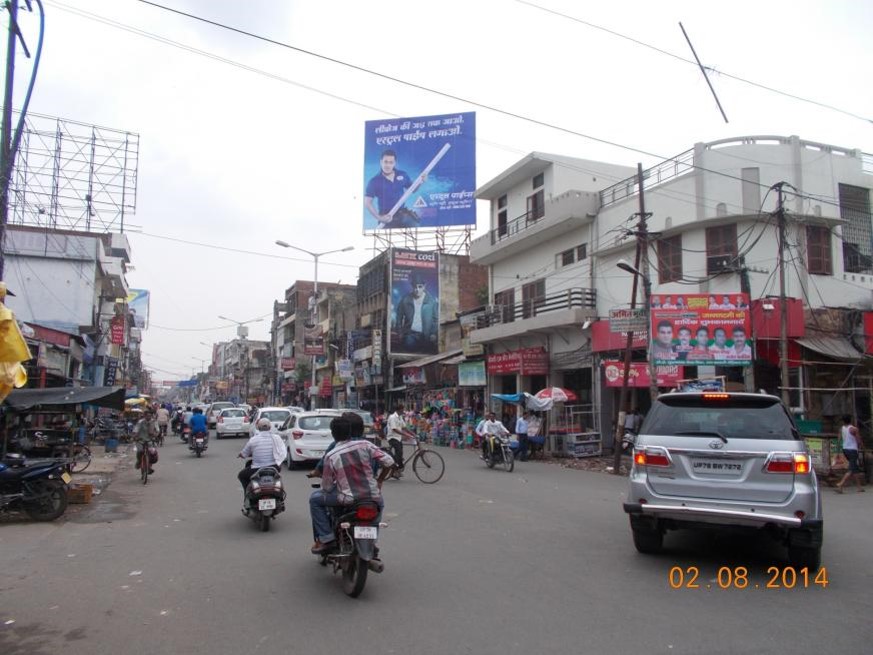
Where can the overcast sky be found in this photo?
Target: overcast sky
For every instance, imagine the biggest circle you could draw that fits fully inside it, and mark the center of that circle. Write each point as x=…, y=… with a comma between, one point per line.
x=238, y=158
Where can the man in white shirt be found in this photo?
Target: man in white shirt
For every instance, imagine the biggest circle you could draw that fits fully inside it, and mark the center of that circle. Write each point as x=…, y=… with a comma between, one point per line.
x=491, y=428
x=265, y=448
x=852, y=444
x=521, y=427
x=395, y=431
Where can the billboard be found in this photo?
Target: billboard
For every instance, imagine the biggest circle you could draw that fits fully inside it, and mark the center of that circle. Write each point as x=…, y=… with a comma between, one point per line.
x=638, y=375
x=701, y=329
x=415, y=302
x=420, y=172
x=138, y=307
x=472, y=374
x=313, y=340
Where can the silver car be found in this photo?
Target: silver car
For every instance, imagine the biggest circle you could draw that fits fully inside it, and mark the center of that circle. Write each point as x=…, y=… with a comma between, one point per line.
x=724, y=460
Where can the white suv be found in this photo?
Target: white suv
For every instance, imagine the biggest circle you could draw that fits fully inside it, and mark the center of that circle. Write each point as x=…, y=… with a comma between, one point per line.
x=724, y=459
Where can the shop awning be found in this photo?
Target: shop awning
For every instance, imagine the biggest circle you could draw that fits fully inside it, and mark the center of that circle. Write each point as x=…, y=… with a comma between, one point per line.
x=455, y=360
x=833, y=347
x=22, y=400
x=424, y=361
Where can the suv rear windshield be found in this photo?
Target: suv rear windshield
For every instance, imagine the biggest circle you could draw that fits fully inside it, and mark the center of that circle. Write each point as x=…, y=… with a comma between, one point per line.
x=275, y=415
x=733, y=418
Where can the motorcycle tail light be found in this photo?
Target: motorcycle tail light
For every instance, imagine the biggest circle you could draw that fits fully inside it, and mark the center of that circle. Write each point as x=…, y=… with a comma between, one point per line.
x=366, y=513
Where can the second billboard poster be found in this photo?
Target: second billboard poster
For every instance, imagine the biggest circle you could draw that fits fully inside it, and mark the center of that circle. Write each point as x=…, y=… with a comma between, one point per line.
x=415, y=302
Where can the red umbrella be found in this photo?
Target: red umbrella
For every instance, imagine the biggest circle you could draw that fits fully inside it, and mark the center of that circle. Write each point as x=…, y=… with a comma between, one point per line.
x=556, y=394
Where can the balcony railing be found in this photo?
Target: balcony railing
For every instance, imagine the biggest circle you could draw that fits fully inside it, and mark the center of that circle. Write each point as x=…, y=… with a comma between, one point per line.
x=569, y=299
x=652, y=177
x=516, y=225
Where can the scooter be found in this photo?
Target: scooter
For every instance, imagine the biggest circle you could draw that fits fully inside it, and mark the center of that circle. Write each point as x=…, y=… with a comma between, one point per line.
x=265, y=497
x=38, y=489
x=185, y=434
x=356, y=529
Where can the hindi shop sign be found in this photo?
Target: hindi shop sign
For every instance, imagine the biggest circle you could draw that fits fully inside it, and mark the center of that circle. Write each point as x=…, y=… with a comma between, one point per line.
x=701, y=329
x=628, y=320
x=526, y=361
x=638, y=376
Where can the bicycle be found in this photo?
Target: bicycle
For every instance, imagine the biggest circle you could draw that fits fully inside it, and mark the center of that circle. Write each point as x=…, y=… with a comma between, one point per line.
x=80, y=458
x=162, y=432
x=428, y=465
x=144, y=463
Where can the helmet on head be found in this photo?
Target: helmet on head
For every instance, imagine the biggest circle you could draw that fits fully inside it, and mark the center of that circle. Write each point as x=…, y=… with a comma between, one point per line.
x=264, y=424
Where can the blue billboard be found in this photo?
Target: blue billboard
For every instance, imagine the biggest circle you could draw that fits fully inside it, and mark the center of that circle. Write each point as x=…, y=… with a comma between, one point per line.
x=420, y=172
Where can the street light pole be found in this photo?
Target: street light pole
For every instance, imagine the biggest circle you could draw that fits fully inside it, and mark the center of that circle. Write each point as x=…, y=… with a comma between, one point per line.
x=314, y=309
x=244, y=351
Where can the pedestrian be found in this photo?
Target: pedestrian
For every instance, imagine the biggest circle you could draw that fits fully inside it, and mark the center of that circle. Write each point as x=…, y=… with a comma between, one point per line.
x=851, y=443
x=521, y=427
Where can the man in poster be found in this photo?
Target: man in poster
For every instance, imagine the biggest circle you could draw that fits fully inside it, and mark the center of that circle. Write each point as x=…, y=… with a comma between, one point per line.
x=662, y=346
x=418, y=318
x=385, y=189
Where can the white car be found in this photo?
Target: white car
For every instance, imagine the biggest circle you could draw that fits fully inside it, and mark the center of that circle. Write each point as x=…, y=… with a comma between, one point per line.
x=232, y=422
x=308, y=436
x=296, y=410
x=276, y=415
x=213, y=410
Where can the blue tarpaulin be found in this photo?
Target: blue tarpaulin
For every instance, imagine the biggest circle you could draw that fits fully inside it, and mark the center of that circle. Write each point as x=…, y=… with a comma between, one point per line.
x=508, y=397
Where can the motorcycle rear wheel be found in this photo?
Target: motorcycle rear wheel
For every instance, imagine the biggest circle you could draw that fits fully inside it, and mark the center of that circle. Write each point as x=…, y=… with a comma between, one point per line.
x=50, y=506
x=354, y=576
x=489, y=461
x=265, y=523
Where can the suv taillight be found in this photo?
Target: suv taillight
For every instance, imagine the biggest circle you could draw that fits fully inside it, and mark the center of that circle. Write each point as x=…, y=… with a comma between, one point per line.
x=795, y=463
x=652, y=457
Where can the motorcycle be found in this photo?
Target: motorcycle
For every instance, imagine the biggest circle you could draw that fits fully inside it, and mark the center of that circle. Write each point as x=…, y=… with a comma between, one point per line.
x=199, y=443
x=185, y=434
x=38, y=489
x=265, y=497
x=627, y=442
x=356, y=528
x=500, y=451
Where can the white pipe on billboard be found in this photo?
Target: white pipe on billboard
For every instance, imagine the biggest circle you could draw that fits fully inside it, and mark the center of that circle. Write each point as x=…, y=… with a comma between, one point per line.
x=419, y=180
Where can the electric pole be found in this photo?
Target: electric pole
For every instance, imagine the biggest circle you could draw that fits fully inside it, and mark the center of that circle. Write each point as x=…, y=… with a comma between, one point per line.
x=6, y=128
x=647, y=282
x=783, y=305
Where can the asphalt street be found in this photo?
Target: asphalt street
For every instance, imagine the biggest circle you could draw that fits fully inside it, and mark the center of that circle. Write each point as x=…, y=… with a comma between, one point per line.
x=535, y=561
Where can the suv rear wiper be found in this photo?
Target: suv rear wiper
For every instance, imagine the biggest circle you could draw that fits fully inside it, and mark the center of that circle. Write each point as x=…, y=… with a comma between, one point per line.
x=703, y=433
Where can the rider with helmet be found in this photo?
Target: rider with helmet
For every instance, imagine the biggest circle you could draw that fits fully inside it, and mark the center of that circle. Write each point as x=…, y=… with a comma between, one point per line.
x=265, y=448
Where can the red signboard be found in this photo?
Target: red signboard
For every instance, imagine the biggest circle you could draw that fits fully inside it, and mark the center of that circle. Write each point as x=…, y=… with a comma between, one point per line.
x=326, y=388
x=289, y=363
x=603, y=340
x=701, y=329
x=116, y=330
x=527, y=361
x=868, y=332
x=638, y=376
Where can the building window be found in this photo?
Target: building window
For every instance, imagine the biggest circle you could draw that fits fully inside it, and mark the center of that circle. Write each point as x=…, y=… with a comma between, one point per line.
x=538, y=181
x=581, y=252
x=502, y=216
x=857, y=231
x=818, y=250
x=573, y=255
x=533, y=296
x=721, y=248
x=536, y=205
x=670, y=259
x=505, y=304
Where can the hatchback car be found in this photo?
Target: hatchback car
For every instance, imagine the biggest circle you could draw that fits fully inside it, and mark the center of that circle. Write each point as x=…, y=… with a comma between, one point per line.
x=308, y=435
x=214, y=409
x=232, y=422
x=724, y=460
x=276, y=415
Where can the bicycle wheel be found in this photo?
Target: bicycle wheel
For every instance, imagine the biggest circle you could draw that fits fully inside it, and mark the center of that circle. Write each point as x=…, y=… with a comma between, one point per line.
x=81, y=459
x=144, y=466
x=428, y=466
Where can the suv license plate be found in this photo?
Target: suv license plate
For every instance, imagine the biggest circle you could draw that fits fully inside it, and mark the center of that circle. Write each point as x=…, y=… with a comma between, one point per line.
x=267, y=503
x=717, y=466
x=362, y=532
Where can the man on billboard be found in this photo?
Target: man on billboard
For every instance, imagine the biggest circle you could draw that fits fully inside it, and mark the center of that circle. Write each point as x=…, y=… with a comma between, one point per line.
x=684, y=346
x=417, y=317
x=662, y=347
x=385, y=189
x=719, y=348
x=740, y=349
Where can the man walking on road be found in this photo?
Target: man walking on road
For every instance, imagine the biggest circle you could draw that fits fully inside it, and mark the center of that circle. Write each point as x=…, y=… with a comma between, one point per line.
x=851, y=442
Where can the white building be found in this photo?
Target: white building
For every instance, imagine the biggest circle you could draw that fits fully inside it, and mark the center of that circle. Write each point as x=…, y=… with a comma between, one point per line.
x=559, y=226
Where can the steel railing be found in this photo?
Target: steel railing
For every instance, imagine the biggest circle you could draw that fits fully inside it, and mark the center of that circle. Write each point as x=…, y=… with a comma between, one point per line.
x=571, y=298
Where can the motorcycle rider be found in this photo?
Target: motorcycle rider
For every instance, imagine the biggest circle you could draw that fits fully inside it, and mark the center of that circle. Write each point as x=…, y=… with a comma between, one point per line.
x=357, y=432
x=265, y=449
x=198, y=427
x=347, y=478
x=490, y=428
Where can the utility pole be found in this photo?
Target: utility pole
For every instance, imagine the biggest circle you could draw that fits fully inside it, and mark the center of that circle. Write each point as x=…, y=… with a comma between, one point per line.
x=647, y=281
x=6, y=128
x=746, y=288
x=783, y=305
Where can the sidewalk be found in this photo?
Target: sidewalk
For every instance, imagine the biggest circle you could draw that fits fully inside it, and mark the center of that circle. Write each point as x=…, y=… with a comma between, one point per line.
x=103, y=466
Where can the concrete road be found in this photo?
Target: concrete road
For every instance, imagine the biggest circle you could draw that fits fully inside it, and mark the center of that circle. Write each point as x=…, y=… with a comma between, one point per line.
x=536, y=561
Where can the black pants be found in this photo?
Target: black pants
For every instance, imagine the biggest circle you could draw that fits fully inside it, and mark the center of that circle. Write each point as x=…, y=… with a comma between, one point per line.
x=523, y=445
x=245, y=475
x=396, y=451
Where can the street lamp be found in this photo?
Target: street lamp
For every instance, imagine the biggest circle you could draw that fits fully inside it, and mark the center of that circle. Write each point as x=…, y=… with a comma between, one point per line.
x=314, y=308
x=242, y=335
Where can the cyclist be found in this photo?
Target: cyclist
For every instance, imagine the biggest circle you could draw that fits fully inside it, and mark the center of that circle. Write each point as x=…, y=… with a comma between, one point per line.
x=198, y=427
x=143, y=436
x=163, y=418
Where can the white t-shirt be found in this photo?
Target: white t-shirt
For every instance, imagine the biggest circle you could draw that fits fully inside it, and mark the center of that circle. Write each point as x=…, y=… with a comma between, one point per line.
x=395, y=422
x=416, y=317
x=850, y=442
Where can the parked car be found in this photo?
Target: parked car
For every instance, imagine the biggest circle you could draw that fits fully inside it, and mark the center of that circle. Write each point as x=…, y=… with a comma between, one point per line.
x=276, y=415
x=295, y=409
x=724, y=460
x=308, y=435
x=232, y=422
x=213, y=410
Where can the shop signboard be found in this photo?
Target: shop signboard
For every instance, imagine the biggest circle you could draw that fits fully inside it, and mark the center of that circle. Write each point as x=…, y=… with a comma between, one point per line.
x=471, y=374
x=628, y=320
x=289, y=363
x=326, y=389
x=468, y=324
x=420, y=172
x=313, y=340
x=415, y=302
x=526, y=361
x=701, y=329
x=414, y=376
x=116, y=330
x=110, y=371
x=344, y=369
x=377, y=352
x=638, y=376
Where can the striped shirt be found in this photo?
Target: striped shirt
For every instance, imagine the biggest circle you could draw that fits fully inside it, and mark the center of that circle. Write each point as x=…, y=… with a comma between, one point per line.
x=348, y=469
x=265, y=449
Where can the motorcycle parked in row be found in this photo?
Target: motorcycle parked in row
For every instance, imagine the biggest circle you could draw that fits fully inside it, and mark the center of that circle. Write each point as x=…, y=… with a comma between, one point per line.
x=38, y=489
x=356, y=529
x=265, y=497
x=500, y=451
